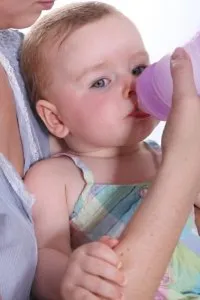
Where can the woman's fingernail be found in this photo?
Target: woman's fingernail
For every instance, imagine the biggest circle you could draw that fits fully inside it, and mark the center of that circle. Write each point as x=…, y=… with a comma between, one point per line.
x=119, y=265
x=122, y=297
x=179, y=53
x=124, y=283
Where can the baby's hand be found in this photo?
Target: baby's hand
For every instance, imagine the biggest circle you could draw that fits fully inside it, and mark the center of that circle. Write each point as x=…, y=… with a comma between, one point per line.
x=110, y=242
x=93, y=273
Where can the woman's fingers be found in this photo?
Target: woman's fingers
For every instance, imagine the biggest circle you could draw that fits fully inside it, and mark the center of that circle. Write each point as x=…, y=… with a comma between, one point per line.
x=182, y=74
x=181, y=137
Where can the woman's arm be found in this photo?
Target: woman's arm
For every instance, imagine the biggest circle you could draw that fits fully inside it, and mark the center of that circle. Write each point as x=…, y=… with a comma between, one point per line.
x=148, y=243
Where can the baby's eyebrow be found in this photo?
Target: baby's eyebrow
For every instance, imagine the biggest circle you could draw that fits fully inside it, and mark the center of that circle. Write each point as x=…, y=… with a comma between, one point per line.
x=140, y=54
x=90, y=69
x=101, y=65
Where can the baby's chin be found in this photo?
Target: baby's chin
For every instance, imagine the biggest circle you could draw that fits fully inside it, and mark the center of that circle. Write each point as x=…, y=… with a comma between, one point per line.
x=147, y=128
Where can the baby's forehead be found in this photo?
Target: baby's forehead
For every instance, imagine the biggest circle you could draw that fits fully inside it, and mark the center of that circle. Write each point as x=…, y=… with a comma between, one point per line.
x=109, y=33
x=112, y=39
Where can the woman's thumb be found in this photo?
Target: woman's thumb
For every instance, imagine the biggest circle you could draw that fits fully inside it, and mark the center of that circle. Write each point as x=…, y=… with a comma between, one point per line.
x=182, y=75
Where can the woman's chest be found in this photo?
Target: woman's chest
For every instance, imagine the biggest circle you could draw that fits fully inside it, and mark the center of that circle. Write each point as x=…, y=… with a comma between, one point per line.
x=10, y=141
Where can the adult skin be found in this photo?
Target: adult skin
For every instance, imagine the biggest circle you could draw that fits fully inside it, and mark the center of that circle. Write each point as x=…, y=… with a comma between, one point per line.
x=18, y=252
x=22, y=15
x=150, y=239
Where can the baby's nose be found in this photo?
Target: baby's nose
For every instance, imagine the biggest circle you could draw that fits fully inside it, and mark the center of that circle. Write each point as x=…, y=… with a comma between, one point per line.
x=129, y=89
x=129, y=93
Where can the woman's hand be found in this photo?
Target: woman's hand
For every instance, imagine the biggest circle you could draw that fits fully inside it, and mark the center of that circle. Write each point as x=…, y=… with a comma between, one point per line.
x=181, y=137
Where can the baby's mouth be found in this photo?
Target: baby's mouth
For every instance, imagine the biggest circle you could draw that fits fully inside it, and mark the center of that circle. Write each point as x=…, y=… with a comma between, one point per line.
x=137, y=113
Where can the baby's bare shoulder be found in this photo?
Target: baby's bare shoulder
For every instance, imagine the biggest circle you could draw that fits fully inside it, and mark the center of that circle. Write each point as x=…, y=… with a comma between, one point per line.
x=54, y=178
x=51, y=169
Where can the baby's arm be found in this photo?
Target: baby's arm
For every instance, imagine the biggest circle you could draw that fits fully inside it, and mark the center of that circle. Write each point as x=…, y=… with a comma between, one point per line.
x=51, y=227
x=59, y=270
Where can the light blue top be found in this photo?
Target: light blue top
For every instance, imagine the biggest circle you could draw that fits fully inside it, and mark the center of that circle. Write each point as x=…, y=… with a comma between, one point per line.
x=18, y=251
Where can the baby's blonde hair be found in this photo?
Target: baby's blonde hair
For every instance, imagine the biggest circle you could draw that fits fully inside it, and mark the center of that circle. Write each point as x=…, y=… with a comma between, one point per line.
x=53, y=29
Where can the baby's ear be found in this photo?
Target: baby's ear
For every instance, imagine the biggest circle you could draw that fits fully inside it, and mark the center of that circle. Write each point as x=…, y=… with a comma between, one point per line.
x=51, y=118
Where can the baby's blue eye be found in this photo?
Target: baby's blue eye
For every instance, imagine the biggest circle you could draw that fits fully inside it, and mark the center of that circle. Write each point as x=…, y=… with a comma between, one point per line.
x=138, y=70
x=101, y=83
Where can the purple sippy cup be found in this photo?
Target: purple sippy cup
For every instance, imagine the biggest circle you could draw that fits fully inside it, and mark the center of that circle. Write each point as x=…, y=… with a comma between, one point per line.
x=154, y=85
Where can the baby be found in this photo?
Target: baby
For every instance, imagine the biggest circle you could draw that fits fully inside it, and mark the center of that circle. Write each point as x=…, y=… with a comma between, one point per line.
x=81, y=64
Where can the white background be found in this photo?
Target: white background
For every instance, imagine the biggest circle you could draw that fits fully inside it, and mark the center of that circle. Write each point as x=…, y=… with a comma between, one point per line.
x=164, y=24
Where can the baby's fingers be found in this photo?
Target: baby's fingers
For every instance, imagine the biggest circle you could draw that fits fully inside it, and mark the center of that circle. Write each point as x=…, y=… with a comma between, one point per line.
x=103, y=269
x=102, y=251
x=109, y=241
x=79, y=293
x=100, y=287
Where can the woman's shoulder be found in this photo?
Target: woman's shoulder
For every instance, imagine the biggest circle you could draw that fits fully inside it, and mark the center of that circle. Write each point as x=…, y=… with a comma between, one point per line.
x=34, y=139
x=10, y=43
x=11, y=38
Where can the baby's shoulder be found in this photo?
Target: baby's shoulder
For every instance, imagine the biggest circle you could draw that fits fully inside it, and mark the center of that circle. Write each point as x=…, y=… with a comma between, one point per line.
x=53, y=168
x=55, y=178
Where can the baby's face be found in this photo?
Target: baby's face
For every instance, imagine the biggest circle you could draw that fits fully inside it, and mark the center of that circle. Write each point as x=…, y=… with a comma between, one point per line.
x=95, y=72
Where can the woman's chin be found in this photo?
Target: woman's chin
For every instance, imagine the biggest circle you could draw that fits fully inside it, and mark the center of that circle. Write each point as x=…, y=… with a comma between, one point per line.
x=25, y=21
